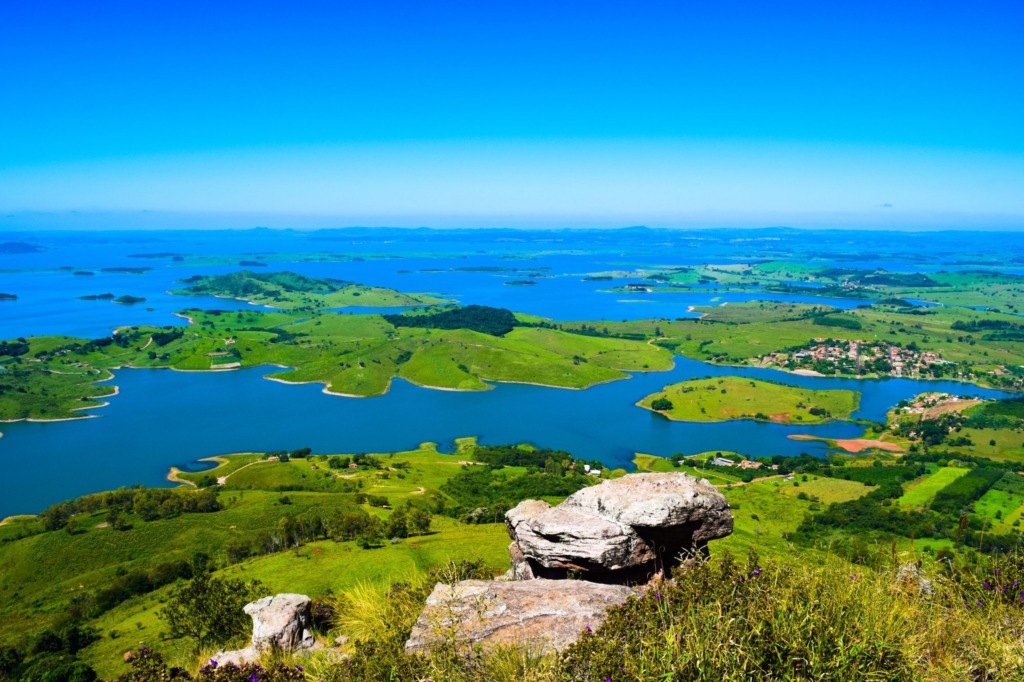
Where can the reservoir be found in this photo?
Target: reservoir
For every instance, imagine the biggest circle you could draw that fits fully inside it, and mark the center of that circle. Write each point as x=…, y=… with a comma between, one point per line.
x=163, y=418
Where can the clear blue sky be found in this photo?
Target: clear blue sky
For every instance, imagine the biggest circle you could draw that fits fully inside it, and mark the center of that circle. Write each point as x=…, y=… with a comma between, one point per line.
x=487, y=113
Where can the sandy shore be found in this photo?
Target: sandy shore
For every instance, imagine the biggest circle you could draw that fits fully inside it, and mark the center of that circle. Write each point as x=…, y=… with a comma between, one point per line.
x=850, y=444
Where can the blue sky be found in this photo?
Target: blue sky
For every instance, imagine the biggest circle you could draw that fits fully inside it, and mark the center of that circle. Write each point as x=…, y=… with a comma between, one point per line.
x=503, y=114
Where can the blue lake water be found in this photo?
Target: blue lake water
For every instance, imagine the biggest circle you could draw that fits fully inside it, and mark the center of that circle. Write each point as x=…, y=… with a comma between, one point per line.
x=163, y=418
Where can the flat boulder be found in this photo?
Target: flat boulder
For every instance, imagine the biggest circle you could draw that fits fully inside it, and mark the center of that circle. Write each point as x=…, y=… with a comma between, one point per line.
x=543, y=615
x=624, y=530
x=563, y=538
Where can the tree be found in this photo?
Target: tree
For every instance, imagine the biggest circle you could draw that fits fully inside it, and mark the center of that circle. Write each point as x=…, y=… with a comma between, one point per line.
x=419, y=521
x=209, y=611
x=661, y=404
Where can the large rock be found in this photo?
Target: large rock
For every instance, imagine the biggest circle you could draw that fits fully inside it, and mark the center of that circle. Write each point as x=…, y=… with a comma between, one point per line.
x=279, y=623
x=621, y=531
x=543, y=615
x=573, y=540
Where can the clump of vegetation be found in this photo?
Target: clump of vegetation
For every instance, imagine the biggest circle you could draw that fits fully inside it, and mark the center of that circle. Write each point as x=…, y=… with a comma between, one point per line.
x=209, y=611
x=479, y=318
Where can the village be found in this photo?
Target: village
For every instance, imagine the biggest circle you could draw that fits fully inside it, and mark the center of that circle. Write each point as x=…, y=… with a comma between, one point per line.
x=836, y=356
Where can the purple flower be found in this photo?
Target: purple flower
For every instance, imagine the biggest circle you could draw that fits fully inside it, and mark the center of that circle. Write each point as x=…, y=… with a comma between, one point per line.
x=756, y=572
x=300, y=668
x=254, y=678
x=979, y=601
x=213, y=663
x=997, y=571
x=589, y=629
x=987, y=585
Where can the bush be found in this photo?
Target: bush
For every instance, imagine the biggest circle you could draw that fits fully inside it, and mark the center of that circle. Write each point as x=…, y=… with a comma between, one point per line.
x=209, y=610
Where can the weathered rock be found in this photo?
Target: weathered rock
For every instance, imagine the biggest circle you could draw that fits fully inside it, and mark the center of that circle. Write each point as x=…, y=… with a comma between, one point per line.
x=621, y=531
x=565, y=539
x=667, y=500
x=279, y=623
x=520, y=566
x=543, y=615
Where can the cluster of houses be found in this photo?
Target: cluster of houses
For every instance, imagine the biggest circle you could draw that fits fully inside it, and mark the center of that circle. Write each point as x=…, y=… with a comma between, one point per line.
x=744, y=464
x=831, y=356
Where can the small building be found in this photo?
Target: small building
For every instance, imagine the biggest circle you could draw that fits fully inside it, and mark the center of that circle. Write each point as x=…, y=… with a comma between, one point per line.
x=723, y=462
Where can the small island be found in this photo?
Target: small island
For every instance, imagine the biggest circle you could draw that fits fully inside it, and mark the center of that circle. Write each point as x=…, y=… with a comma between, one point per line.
x=8, y=297
x=727, y=398
x=97, y=297
x=129, y=300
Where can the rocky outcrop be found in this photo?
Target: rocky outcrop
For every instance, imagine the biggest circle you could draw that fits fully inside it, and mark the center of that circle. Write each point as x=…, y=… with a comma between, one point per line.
x=613, y=535
x=279, y=623
x=620, y=531
x=543, y=615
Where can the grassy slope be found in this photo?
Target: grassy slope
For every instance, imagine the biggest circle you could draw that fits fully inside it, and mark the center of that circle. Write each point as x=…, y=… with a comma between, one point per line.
x=726, y=398
x=318, y=569
x=30, y=599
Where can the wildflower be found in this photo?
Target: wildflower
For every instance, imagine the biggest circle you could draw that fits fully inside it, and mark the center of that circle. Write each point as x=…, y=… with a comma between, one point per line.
x=979, y=601
x=756, y=572
x=987, y=585
x=300, y=668
x=997, y=571
x=213, y=663
x=589, y=629
x=254, y=678
x=853, y=576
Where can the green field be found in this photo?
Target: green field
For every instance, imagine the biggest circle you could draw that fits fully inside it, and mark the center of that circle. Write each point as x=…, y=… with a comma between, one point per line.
x=923, y=491
x=727, y=398
x=998, y=505
x=825, y=490
x=1006, y=445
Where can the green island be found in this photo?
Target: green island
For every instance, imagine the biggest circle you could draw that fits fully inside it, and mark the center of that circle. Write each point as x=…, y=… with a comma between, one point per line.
x=289, y=290
x=368, y=534
x=460, y=348
x=727, y=398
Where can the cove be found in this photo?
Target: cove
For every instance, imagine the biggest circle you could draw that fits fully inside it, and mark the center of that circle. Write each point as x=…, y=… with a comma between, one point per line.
x=163, y=418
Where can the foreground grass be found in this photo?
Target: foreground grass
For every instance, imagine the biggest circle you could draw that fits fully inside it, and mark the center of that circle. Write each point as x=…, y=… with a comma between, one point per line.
x=722, y=619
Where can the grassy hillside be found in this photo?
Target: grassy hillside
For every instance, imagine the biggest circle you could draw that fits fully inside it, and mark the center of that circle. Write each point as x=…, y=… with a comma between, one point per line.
x=51, y=377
